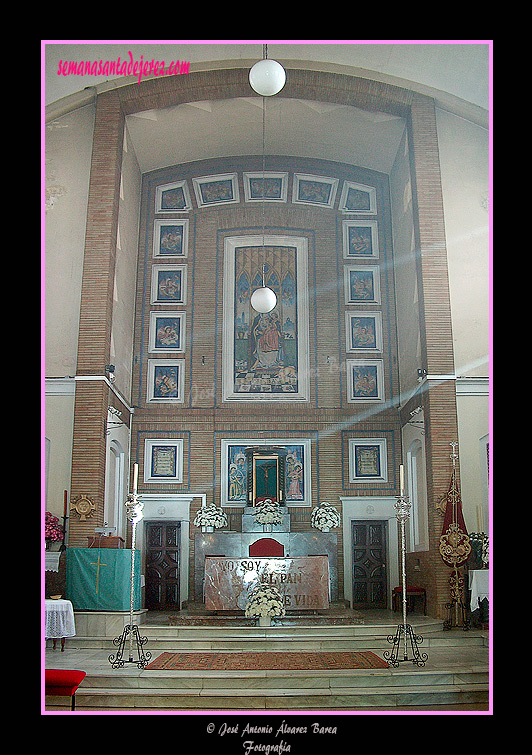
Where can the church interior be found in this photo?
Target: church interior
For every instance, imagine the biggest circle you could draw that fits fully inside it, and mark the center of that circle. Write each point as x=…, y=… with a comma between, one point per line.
x=266, y=456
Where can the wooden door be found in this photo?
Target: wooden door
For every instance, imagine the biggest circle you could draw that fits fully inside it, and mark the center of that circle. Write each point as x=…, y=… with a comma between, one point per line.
x=162, y=565
x=369, y=564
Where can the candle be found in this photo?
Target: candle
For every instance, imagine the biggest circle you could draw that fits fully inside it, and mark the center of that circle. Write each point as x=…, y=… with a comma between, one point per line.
x=65, y=506
x=135, y=476
x=402, y=479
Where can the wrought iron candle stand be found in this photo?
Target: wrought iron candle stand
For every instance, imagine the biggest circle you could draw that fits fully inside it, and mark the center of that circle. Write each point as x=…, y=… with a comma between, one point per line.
x=131, y=631
x=404, y=634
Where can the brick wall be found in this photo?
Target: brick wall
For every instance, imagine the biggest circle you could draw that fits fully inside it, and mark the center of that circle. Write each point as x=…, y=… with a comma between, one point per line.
x=327, y=412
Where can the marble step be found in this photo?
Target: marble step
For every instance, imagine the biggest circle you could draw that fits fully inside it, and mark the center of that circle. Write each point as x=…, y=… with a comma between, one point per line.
x=365, y=688
x=295, y=681
x=162, y=641
x=425, y=625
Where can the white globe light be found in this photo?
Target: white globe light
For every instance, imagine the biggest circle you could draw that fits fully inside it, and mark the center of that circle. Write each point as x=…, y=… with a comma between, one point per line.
x=263, y=300
x=267, y=77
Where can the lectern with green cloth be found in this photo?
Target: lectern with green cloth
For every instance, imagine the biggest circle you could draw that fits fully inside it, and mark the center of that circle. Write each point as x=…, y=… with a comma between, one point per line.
x=99, y=579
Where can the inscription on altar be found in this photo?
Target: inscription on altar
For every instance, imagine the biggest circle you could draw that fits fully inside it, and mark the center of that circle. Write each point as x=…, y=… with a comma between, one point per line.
x=303, y=581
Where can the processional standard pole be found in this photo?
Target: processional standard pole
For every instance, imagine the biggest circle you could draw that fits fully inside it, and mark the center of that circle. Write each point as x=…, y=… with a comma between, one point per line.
x=404, y=631
x=455, y=549
x=134, y=515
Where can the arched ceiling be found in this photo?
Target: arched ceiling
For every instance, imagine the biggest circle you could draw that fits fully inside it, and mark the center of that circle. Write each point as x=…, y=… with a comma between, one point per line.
x=456, y=75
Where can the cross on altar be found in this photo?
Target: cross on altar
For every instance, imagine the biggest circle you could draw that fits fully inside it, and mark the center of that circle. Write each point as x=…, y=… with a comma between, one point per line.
x=98, y=564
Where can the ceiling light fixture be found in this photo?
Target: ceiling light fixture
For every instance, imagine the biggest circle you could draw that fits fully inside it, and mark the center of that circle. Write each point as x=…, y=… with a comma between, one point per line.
x=267, y=77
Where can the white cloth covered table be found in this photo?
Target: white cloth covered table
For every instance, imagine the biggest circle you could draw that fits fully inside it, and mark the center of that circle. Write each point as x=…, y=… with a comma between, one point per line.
x=479, y=584
x=59, y=619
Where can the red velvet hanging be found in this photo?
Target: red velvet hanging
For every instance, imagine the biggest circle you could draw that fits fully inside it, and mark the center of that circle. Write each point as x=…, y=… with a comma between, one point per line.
x=454, y=541
x=265, y=547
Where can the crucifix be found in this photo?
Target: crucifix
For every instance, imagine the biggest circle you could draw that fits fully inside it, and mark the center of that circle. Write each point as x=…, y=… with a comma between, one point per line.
x=98, y=564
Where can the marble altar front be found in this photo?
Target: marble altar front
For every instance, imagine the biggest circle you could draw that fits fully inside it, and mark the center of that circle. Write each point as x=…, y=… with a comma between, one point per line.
x=303, y=582
x=236, y=545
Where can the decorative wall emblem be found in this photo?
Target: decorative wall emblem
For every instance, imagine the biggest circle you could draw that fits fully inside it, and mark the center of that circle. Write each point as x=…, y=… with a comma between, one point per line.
x=83, y=506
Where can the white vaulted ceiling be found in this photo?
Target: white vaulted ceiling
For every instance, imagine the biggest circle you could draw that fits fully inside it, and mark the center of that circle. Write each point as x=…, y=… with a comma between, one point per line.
x=302, y=128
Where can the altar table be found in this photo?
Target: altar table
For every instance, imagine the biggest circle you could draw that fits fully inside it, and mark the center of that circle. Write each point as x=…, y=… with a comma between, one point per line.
x=100, y=579
x=302, y=581
x=479, y=584
x=59, y=620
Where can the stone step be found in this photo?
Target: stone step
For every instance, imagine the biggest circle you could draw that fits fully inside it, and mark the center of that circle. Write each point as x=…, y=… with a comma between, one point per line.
x=298, y=690
x=292, y=681
x=311, y=642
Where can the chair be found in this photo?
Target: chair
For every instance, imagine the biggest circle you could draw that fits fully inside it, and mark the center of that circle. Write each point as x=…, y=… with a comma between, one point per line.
x=63, y=683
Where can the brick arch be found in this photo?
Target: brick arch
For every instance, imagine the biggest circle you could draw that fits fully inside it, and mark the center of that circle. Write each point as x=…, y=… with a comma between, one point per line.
x=226, y=83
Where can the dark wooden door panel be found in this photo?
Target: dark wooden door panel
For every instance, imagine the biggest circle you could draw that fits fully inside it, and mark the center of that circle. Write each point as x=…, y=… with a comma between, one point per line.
x=162, y=565
x=369, y=564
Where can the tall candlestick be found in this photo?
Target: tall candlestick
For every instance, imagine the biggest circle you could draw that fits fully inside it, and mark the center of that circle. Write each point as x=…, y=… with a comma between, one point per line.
x=135, y=477
x=402, y=479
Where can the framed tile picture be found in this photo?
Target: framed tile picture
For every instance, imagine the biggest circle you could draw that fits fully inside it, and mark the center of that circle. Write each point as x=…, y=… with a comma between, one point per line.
x=368, y=460
x=265, y=357
x=363, y=331
x=365, y=380
x=166, y=379
x=216, y=190
x=163, y=460
x=316, y=190
x=362, y=284
x=267, y=187
x=173, y=197
x=360, y=239
x=167, y=332
x=168, y=284
x=234, y=469
x=358, y=198
x=170, y=238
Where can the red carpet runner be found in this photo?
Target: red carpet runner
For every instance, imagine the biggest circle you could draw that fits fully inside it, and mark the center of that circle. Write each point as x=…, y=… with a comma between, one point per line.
x=279, y=661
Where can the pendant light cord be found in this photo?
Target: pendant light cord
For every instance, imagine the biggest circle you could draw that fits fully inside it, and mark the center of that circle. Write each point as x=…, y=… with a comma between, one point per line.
x=263, y=187
x=263, y=208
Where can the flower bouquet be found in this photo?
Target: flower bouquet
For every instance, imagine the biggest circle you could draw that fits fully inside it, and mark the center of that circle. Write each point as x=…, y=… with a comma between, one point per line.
x=211, y=516
x=267, y=512
x=52, y=529
x=324, y=517
x=53, y=532
x=265, y=602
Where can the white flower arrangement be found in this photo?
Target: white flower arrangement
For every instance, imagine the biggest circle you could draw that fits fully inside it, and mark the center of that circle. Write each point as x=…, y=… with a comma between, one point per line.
x=267, y=512
x=211, y=516
x=265, y=600
x=324, y=517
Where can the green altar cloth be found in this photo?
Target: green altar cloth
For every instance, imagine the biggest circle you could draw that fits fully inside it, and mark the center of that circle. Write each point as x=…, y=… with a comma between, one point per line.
x=98, y=579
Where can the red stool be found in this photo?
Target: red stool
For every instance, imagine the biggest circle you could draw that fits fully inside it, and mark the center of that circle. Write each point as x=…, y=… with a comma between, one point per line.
x=63, y=683
x=411, y=594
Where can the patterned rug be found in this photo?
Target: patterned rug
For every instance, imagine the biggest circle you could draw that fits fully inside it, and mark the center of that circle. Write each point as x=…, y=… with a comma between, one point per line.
x=278, y=661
